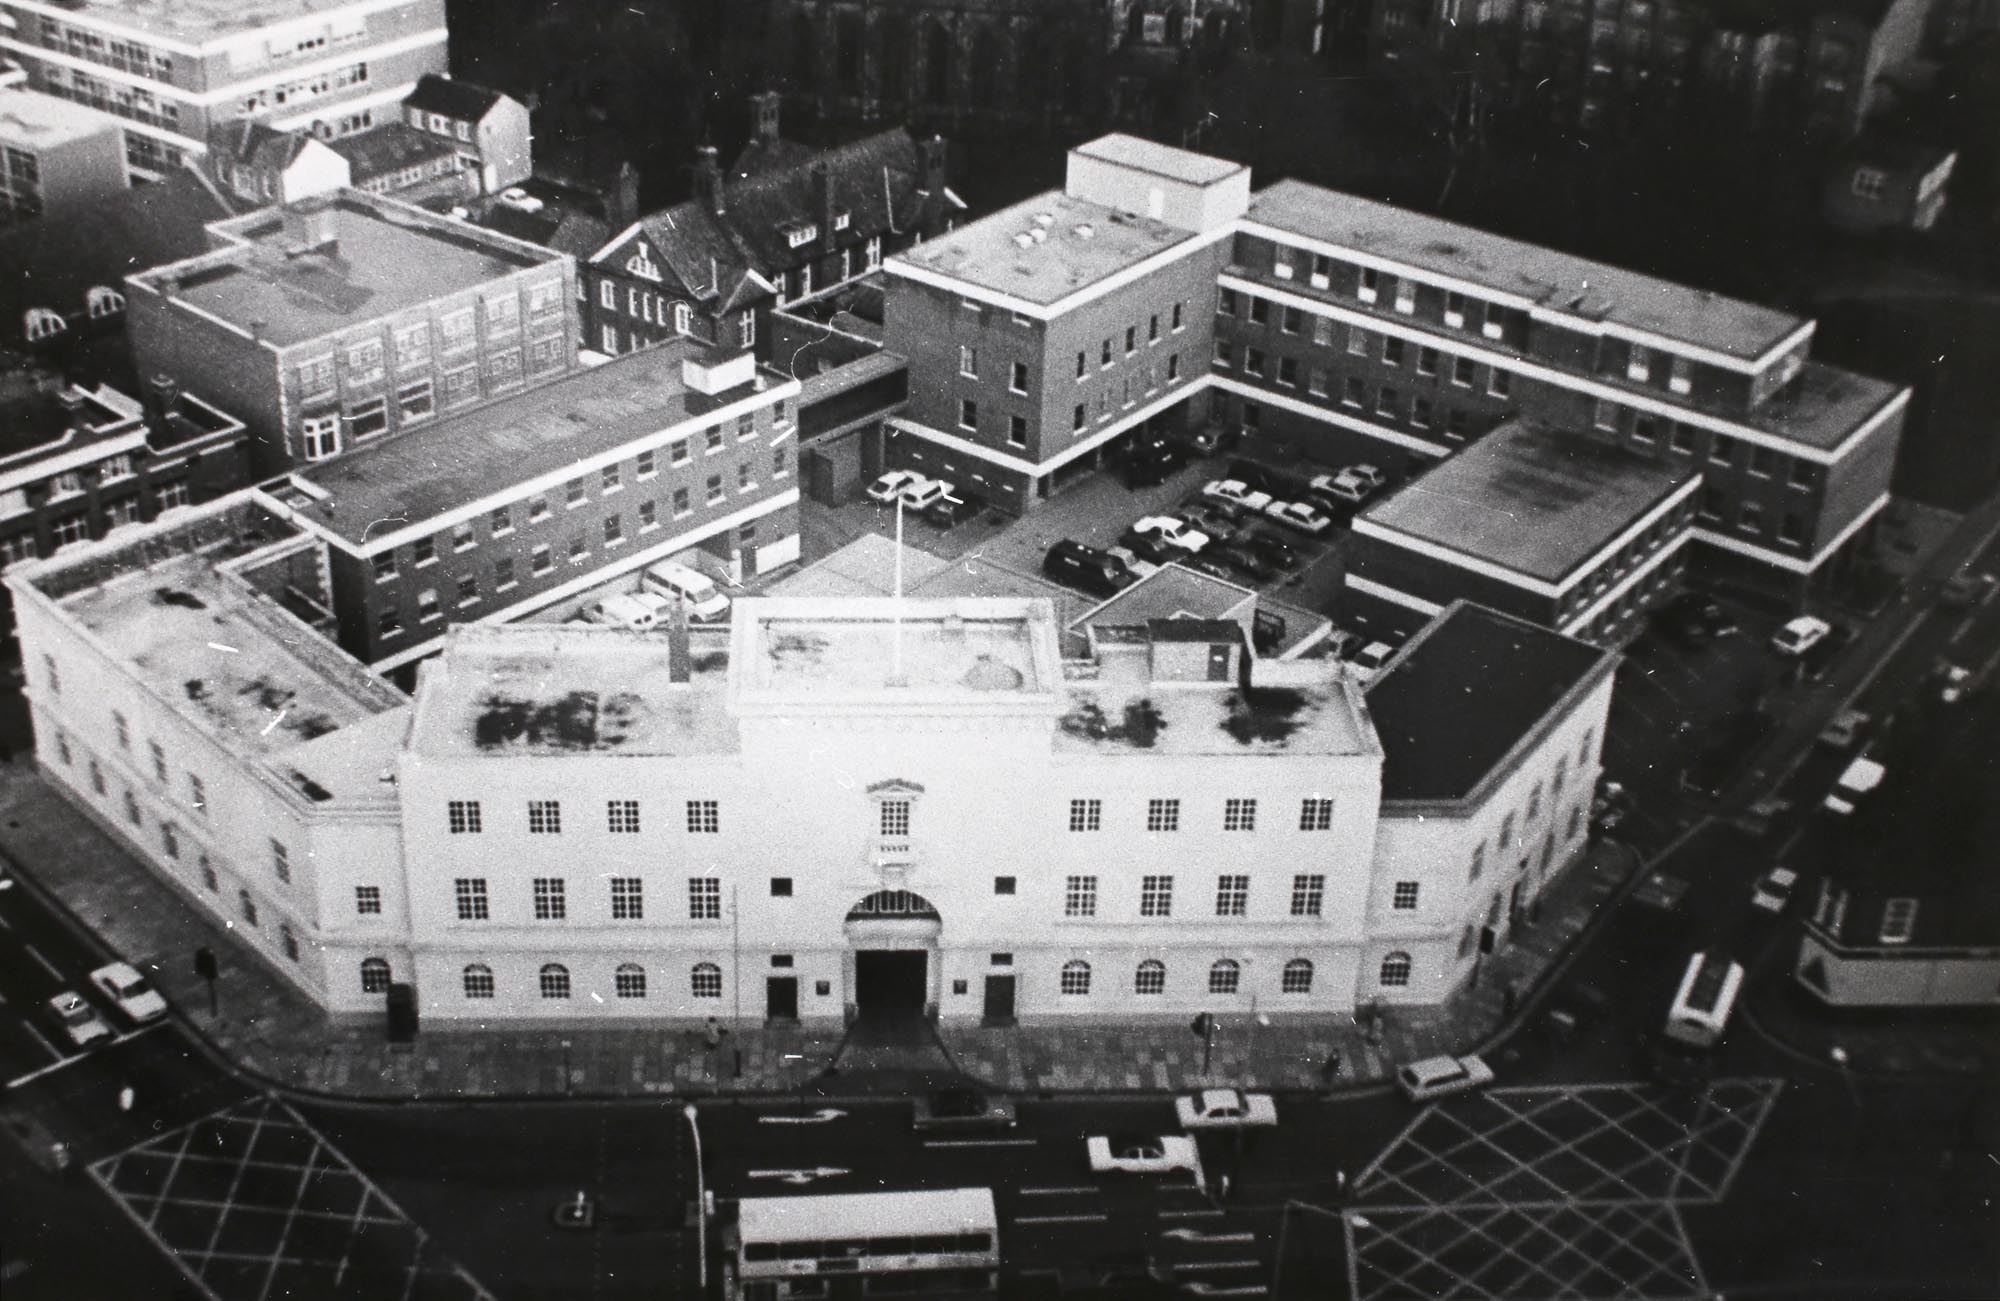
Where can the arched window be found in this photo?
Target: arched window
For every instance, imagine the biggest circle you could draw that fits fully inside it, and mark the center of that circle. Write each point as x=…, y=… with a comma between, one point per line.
x=1395, y=970
x=374, y=975
x=630, y=980
x=1151, y=977
x=1076, y=976
x=40, y=323
x=707, y=980
x=555, y=981
x=479, y=981
x=101, y=302
x=1224, y=976
x=1298, y=978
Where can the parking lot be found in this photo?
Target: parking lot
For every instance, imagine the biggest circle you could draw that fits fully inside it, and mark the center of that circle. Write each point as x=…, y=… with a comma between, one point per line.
x=252, y=1202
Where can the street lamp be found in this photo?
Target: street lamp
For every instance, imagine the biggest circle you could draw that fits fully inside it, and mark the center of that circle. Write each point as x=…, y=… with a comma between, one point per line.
x=700, y=1199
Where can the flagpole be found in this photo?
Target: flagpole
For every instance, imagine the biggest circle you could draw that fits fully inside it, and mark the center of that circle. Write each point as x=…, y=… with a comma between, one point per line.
x=896, y=669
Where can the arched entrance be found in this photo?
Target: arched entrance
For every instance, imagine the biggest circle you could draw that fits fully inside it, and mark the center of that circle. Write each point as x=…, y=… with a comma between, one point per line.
x=892, y=941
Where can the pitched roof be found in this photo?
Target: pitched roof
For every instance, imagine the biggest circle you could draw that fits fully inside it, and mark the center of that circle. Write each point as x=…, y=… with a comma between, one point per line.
x=458, y=100
x=388, y=148
x=255, y=144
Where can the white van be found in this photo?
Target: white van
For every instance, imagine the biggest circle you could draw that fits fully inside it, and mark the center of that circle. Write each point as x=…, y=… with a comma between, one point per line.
x=1368, y=661
x=705, y=601
x=1861, y=777
x=622, y=610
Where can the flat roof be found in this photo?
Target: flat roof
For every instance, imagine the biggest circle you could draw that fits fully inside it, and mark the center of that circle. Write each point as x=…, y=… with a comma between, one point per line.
x=509, y=690
x=987, y=254
x=861, y=1215
x=1164, y=160
x=437, y=468
x=861, y=649
x=1537, y=501
x=1545, y=276
x=243, y=671
x=384, y=257
x=1302, y=709
x=1464, y=692
x=32, y=120
x=198, y=21
x=1822, y=406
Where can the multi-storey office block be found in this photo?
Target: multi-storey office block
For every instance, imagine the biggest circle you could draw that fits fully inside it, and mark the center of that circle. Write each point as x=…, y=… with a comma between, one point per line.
x=349, y=317
x=172, y=72
x=55, y=157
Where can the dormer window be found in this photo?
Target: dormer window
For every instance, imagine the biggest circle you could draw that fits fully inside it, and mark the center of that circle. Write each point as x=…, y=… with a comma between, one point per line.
x=101, y=302
x=40, y=323
x=798, y=235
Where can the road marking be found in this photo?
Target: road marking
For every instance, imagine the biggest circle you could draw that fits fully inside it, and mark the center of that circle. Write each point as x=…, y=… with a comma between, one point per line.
x=980, y=1142
x=1206, y=1213
x=1092, y=1218
x=130, y=1035
x=800, y=1176
x=819, y=1117
x=1191, y=1266
x=56, y=1065
x=1209, y=1239
x=5, y=925
x=1057, y=1192
x=47, y=966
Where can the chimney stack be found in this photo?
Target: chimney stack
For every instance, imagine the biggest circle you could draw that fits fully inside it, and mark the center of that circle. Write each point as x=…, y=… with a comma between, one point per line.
x=764, y=109
x=931, y=156
x=708, y=178
x=159, y=399
x=823, y=199
x=625, y=196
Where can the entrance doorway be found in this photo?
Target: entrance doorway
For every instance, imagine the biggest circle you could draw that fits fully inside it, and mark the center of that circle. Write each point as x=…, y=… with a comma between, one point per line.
x=889, y=984
x=999, y=1000
x=781, y=998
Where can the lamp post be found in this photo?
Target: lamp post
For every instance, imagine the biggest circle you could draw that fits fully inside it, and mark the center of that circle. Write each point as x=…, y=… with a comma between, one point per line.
x=700, y=1199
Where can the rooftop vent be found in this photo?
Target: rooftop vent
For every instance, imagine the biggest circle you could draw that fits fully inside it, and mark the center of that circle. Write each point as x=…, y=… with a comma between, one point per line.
x=1024, y=240
x=712, y=374
x=1045, y=219
x=1038, y=234
x=1083, y=230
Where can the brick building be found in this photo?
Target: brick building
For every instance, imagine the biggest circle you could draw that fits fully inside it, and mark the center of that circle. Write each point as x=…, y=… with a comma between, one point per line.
x=489, y=131
x=56, y=157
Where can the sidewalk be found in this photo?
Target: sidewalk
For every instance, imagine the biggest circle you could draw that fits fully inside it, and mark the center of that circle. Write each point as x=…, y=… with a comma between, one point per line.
x=272, y=1030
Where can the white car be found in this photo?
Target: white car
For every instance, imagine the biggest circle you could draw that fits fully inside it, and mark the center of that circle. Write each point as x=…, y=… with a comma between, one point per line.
x=1800, y=635
x=1438, y=1077
x=1954, y=682
x=1860, y=777
x=1172, y=531
x=520, y=200
x=1225, y=1109
x=1774, y=890
x=1133, y=564
x=79, y=1020
x=921, y=496
x=891, y=485
x=1341, y=487
x=129, y=992
x=1144, y=1154
x=622, y=610
x=1370, y=475
x=1236, y=493
x=1298, y=515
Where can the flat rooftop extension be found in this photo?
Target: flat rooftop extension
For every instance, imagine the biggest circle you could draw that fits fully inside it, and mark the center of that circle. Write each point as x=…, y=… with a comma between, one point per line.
x=198, y=21
x=988, y=255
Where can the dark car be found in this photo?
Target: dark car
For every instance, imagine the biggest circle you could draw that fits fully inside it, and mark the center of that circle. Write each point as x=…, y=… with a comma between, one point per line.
x=1276, y=550
x=962, y=1108
x=1693, y=619
x=950, y=512
x=1085, y=568
x=1219, y=520
x=1150, y=471
x=1245, y=559
x=1152, y=549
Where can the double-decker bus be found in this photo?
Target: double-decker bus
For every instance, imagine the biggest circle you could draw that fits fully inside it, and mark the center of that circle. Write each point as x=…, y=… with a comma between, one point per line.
x=938, y=1244
x=1697, y=1019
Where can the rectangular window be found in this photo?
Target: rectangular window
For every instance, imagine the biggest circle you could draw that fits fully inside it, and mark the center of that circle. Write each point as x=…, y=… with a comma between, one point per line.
x=1406, y=297
x=368, y=900
x=614, y=531
x=715, y=490
x=1638, y=365
x=1420, y=413
x=551, y=904
x=1086, y=815
x=1156, y=896
x=1017, y=431
x=611, y=481
x=1079, y=417
x=1315, y=814
x=1253, y=361
x=469, y=892
x=1308, y=894
x=1680, y=375
x=705, y=898
x=1017, y=381
x=1405, y=897
x=1387, y=403
x=1080, y=896
x=159, y=760
x=1899, y=921
x=704, y=817
x=281, y=861
x=1260, y=311
x=541, y=560
x=895, y=818
x=1131, y=339
x=1722, y=450
x=1392, y=351
x=468, y=589
x=462, y=538
x=1177, y=314
x=1239, y=815
x=544, y=817
x=1357, y=341
x=1291, y=321
x=968, y=361
x=628, y=899
x=621, y=817
x=1500, y=383
x=1232, y=895
x=1427, y=361
x=683, y=504
x=575, y=493
x=1354, y=392
x=1370, y=287
x=1163, y=815
x=1462, y=371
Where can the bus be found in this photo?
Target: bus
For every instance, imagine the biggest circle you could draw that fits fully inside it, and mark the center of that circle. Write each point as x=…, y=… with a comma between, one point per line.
x=937, y=1243
x=1697, y=1019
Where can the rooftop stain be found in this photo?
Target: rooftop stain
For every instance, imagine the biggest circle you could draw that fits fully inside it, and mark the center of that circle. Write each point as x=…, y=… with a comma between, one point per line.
x=1269, y=714
x=578, y=720
x=1140, y=728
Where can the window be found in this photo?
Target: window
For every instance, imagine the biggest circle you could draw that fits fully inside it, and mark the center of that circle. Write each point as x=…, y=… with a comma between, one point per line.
x=715, y=492
x=1395, y=971
x=1104, y=353
x=1371, y=284
x=893, y=818
x=541, y=561
x=555, y=980
x=1288, y=372
x=468, y=590
x=1406, y=297
x=132, y=810
x=469, y=892
x=614, y=531
x=1308, y=893
x=1232, y=895
x=781, y=887
x=1392, y=351
x=622, y=817
x=1003, y=885
x=247, y=906
x=1405, y=899
x=704, y=817
x=374, y=975
x=416, y=402
x=1315, y=814
x=1150, y=978
x=96, y=777
x=1079, y=417
x=544, y=817
x=1177, y=315
x=1680, y=375
x=1086, y=815
x=319, y=436
x=1387, y=403
x=366, y=419
x=478, y=979
x=1499, y=383
x=1722, y=450
x=705, y=898
x=1017, y=381
x=551, y=900
x=628, y=899
x=368, y=900
x=629, y=980
x=1869, y=183
x=1507, y=831
x=1156, y=896
x=1225, y=976
x=1638, y=364
x=281, y=861
x=1420, y=413
x=705, y=980
x=170, y=840
x=1239, y=815
x=968, y=361
x=1291, y=320
x=1899, y=921
x=1225, y=353
x=1297, y=978
x=1462, y=370
x=159, y=760
x=1260, y=311
x=1427, y=361
x=1017, y=433
x=1080, y=896
x=1357, y=341
x=503, y=573
x=1163, y=815
x=1082, y=364
x=1076, y=977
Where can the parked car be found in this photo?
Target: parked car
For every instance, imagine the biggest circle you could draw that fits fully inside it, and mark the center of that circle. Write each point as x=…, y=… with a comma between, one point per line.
x=962, y=1108
x=520, y=200
x=1132, y=562
x=1276, y=550
x=1225, y=1109
x=1085, y=568
x=1800, y=635
x=890, y=486
x=1351, y=486
x=1955, y=682
x=1693, y=619
x=1144, y=1154
x=1961, y=590
x=1218, y=519
x=1307, y=519
x=1368, y=661
x=1202, y=564
x=78, y=1020
x=32, y=1137
x=1171, y=530
x=1246, y=560
x=1844, y=729
x=1153, y=550
x=1150, y=464
x=1439, y=1077
x=922, y=496
x=129, y=992
x=694, y=590
x=950, y=512
x=1774, y=890
x=1236, y=493
x=622, y=610
x=1856, y=780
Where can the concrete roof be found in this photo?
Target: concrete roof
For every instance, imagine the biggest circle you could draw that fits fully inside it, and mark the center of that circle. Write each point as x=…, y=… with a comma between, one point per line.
x=1822, y=406
x=1543, y=275
x=1536, y=501
x=1163, y=160
x=385, y=257
x=1121, y=710
x=985, y=254
x=870, y=653
x=199, y=21
x=32, y=120
x=1464, y=692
